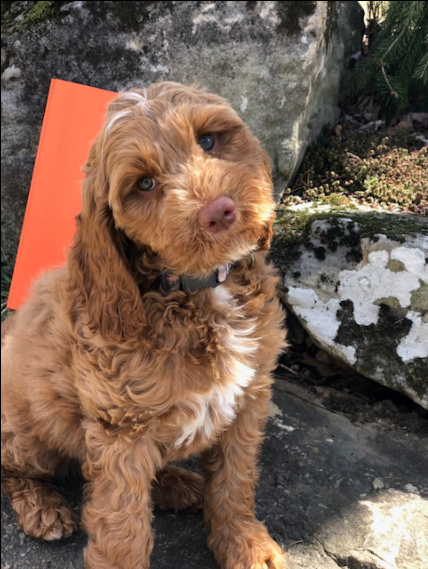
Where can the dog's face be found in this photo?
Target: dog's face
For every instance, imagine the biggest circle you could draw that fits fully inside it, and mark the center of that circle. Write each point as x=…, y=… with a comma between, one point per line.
x=184, y=176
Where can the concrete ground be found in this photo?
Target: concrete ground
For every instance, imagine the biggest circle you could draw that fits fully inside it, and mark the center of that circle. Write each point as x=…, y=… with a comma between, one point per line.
x=333, y=492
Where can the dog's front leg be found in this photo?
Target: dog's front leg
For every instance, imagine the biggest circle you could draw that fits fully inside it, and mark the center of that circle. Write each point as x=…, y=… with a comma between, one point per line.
x=238, y=540
x=117, y=515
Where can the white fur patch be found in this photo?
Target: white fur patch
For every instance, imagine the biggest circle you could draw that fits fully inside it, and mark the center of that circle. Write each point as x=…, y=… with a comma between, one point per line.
x=140, y=100
x=115, y=118
x=218, y=406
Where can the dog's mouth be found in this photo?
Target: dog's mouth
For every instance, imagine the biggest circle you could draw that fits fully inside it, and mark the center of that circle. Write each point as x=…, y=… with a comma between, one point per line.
x=208, y=261
x=151, y=273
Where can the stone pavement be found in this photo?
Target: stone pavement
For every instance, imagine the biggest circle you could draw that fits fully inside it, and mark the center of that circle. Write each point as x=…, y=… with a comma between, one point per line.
x=334, y=493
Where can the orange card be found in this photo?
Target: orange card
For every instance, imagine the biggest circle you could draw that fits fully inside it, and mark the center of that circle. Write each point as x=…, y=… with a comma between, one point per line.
x=73, y=117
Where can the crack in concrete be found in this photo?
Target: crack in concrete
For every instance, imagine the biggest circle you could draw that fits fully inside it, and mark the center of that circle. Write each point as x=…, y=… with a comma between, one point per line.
x=325, y=551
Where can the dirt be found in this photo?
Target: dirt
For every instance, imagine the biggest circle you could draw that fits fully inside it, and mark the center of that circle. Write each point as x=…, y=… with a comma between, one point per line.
x=342, y=390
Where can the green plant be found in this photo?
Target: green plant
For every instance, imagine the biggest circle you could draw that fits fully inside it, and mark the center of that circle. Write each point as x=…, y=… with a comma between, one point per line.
x=369, y=168
x=5, y=285
x=396, y=70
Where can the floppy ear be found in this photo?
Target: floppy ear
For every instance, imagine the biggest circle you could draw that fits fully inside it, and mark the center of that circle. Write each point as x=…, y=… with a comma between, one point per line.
x=103, y=285
x=264, y=241
x=266, y=237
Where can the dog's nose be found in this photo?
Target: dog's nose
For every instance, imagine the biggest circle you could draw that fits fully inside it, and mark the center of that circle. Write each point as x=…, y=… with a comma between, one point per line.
x=218, y=216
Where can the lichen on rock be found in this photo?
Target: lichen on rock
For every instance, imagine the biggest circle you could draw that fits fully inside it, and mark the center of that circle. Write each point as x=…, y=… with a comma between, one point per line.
x=364, y=300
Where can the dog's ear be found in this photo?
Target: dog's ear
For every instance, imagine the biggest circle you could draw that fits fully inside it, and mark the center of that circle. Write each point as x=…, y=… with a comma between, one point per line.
x=266, y=238
x=104, y=288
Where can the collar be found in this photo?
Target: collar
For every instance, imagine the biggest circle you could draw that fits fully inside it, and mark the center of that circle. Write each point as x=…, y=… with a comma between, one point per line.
x=171, y=282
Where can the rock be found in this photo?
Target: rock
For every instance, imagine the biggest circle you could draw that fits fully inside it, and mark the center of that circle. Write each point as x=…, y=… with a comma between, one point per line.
x=279, y=64
x=358, y=282
x=380, y=521
x=316, y=496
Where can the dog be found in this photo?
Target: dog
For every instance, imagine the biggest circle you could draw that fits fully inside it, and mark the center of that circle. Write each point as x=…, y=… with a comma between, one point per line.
x=155, y=342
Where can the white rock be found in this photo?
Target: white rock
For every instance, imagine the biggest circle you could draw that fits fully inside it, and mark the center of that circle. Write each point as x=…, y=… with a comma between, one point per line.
x=372, y=313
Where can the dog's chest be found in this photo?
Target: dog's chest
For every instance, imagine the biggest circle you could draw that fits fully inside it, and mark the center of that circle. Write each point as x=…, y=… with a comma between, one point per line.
x=205, y=414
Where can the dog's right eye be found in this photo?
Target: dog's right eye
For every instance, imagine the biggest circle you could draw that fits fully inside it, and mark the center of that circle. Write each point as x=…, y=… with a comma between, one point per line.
x=206, y=142
x=146, y=184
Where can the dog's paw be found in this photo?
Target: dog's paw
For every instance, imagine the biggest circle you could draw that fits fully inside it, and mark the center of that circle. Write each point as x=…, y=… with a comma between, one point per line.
x=177, y=489
x=94, y=559
x=251, y=549
x=47, y=517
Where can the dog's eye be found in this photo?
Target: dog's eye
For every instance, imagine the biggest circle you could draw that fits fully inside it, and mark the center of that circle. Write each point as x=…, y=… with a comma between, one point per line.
x=146, y=184
x=206, y=142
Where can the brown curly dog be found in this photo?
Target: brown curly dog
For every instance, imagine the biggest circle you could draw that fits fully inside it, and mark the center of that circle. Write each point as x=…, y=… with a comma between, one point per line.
x=156, y=341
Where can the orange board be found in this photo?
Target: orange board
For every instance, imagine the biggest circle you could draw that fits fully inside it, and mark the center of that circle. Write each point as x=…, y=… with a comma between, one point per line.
x=73, y=117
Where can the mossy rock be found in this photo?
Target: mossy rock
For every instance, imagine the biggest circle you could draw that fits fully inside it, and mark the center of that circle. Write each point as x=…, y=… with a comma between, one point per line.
x=358, y=282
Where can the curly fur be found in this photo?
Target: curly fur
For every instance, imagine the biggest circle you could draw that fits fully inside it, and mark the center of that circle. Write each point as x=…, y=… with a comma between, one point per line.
x=101, y=365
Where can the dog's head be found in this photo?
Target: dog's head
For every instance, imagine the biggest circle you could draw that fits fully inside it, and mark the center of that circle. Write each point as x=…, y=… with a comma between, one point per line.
x=183, y=175
x=174, y=171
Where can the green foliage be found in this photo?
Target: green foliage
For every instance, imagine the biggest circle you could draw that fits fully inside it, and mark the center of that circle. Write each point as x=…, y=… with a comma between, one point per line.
x=5, y=285
x=396, y=68
x=367, y=168
x=16, y=16
x=421, y=70
x=40, y=11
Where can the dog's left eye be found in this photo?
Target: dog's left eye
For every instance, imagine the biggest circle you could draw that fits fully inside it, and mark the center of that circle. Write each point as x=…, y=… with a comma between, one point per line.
x=206, y=142
x=146, y=184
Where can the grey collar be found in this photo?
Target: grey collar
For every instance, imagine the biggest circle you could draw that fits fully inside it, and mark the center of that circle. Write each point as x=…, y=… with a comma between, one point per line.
x=171, y=282
x=186, y=283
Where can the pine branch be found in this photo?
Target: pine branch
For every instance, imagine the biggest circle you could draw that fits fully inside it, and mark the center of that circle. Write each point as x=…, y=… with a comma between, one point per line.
x=400, y=35
x=398, y=61
x=421, y=70
x=391, y=90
